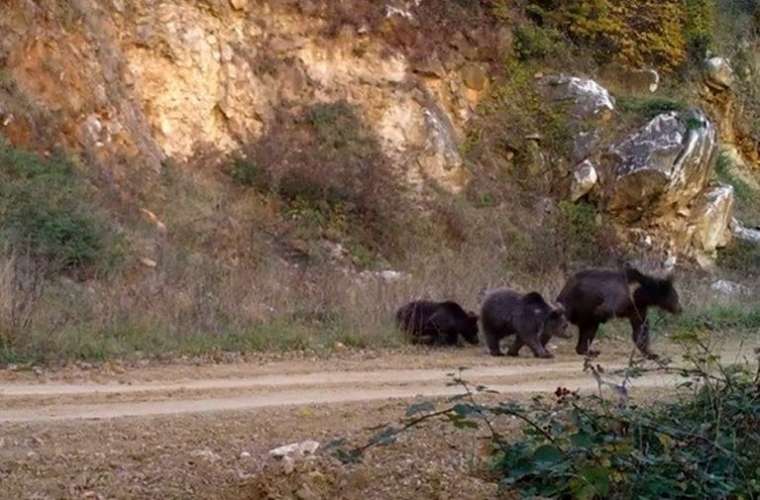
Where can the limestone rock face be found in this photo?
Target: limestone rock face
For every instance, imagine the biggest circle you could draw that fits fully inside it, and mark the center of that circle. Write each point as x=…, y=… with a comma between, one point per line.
x=584, y=180
x=177, y=80
x=660, y=168
x=710, y=223
x=744, y=233
x=718, y=73
x=586, y=97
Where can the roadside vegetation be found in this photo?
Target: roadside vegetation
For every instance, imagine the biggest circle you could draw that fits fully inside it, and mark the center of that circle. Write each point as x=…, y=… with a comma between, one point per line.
x=283, y=247
x=699, y=442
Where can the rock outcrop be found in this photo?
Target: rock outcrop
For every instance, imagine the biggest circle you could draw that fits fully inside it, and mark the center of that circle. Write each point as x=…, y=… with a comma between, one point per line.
x=154, y=81
x=587, y=99
x=709, y=224
x=661, y=168
x=718, y=73
x=654, y=181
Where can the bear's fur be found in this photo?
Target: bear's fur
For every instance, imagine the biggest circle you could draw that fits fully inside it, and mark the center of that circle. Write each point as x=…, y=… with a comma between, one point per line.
x=533, y=322
x=437, y=323
x=595, y=296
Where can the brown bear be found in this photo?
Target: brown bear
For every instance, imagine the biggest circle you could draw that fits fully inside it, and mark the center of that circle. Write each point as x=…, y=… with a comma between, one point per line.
x=533, y=322
x=595, y=296
x=437, y=323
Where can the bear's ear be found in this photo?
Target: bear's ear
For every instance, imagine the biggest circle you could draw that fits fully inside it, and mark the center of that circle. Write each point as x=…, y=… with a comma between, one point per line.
x=533, y=299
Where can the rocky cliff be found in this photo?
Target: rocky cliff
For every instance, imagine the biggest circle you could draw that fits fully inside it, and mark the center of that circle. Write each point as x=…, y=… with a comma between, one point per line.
x=134, y=86
x=137, y=83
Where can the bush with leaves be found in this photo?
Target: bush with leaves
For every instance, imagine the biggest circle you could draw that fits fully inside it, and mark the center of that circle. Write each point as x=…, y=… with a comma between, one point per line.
x=325, y=162
x=45, y=212
x=636, y=33
x=702, y=444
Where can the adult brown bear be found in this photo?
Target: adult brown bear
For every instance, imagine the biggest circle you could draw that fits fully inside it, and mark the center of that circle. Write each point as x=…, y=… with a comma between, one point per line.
x=595, y=296
x=528, y=317
x=437, y=323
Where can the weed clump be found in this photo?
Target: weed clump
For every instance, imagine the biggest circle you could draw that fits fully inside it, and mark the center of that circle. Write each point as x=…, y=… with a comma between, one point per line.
x=699, y=444
x=649, y=107
x=328, y=168
x=535, y=42
x=45, y=213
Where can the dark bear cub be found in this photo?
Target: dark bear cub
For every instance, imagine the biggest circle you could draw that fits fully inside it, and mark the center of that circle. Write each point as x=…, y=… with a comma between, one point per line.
x=595, y=296
x=437, y=323
x=528, y=317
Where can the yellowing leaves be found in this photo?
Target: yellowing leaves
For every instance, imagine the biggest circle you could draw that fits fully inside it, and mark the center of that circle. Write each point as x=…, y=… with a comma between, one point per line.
x=632, y=32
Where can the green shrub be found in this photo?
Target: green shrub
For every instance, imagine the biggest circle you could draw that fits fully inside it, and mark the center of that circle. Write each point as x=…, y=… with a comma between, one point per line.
x=535, y=42
x=649, y=107
x=698, y=446
x=699, y=28
x=329, y=169
x=514, y=111
x=633, y=33
x=248, y=173
x=699, y=443
x=45, y=212
x=578, y=231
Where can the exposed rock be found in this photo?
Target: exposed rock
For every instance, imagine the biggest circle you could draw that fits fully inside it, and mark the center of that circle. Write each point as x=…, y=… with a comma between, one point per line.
x=711, y=220
x=147, y=262
x=170, y=80
x=585, y=143
x=631, y=80
x=239, y=4
x=748, y=234
x=718, y=73
x=301, y=449
x=440, y=158
x=430, y=66
x=150, y=216
x=288, y=465
x=388, y=276
x=588, y=98
x=474, y=77
x=206, y=454
x=660, y=168
x=730, y=288
x=584, y=180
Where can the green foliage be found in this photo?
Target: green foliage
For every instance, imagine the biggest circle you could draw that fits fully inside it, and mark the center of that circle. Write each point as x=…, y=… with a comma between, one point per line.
x=699, y=443
x=534, y=42
x=649, y=107
x=247, y=173
x=640, y=33
x=733, y=317
x=698, y=446
x=515, y=110
x=699, y=28
x=45, y=212
x=578, y=231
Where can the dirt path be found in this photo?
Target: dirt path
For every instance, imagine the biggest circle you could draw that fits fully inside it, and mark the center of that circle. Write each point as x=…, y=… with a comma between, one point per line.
x=186, y=431
x=171, y=390
x=250, y=387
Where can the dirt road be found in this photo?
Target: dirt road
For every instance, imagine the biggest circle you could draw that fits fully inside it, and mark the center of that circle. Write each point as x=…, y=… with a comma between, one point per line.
x=244, y=387
x=191, y=430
